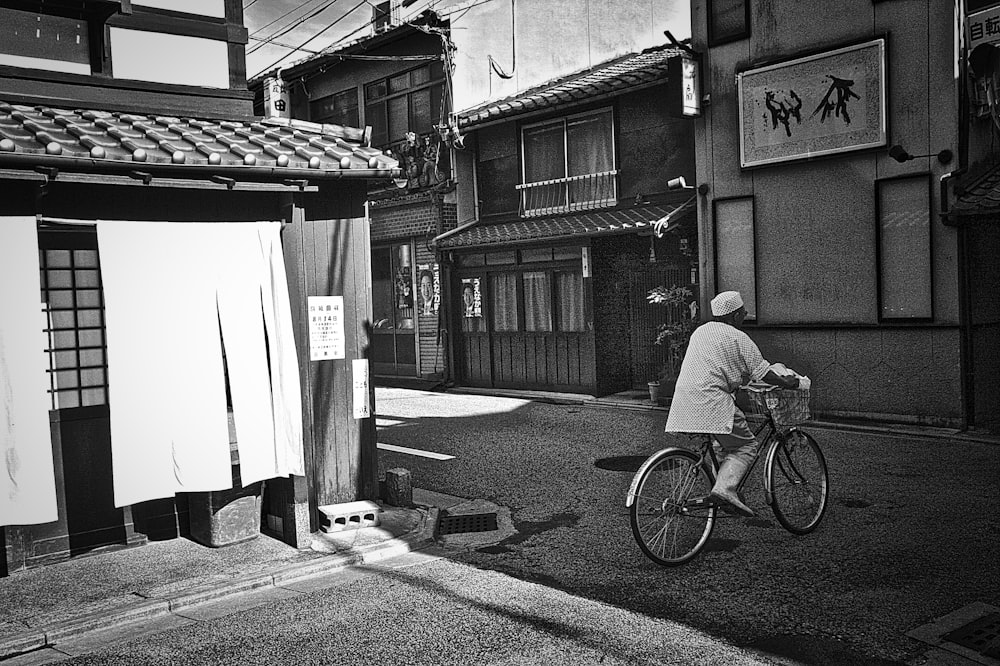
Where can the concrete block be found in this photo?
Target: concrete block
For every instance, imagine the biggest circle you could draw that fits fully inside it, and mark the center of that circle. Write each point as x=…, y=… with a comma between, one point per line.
x=349, y=516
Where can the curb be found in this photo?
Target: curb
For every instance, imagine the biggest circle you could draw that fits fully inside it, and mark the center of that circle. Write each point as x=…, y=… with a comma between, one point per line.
x=875, y=427
x=95, y=617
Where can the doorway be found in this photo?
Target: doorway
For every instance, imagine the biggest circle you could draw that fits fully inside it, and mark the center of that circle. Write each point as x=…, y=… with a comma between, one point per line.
x=394, y=352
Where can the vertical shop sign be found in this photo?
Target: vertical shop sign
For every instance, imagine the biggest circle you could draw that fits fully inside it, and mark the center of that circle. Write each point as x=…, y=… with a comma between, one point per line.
x=277, y=99
x=326, y=328
x=359, y=382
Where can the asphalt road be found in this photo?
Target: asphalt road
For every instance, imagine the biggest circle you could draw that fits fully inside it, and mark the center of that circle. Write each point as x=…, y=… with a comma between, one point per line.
x=436, y=612
x=910, y=533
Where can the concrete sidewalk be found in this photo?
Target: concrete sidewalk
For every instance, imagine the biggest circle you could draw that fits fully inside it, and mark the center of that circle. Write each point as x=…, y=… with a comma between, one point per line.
x=154, y=587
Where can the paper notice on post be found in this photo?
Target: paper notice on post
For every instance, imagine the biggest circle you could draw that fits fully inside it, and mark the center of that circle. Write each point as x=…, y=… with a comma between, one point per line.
x=326, y=328
x=362, y=408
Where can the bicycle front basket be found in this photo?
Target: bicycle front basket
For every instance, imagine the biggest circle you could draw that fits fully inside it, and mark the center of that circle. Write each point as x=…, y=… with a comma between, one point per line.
x=788, y=406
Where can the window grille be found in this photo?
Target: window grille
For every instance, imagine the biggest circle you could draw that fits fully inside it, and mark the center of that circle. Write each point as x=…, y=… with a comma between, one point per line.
x=74, y=309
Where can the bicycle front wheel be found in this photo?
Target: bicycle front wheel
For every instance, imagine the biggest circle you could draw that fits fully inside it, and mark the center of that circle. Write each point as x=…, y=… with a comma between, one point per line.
x=670, y=518
x=798, y=481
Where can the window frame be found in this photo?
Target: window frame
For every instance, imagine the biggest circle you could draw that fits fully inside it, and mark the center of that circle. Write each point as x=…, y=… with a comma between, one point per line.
x=380, y=104
x=564, y=121
x=73, y=241
x=753, y=309
x=352, y=92
x=486, y=272
x=715, y=39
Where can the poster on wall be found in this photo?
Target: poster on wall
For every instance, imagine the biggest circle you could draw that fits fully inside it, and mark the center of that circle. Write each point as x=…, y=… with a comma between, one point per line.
x=822, y=104
x=429, y=281
x=472, y=300
x=404, y=288
x=326, y=328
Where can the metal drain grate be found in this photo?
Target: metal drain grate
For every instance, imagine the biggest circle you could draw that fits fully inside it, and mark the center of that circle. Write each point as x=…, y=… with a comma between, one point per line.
x=472, y=522
x=980, y=635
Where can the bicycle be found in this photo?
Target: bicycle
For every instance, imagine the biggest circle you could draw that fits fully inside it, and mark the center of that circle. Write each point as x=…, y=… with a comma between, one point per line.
x=670, y=510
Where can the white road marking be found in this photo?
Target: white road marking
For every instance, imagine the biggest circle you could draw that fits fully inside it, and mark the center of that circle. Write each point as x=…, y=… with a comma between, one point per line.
x=413, y=452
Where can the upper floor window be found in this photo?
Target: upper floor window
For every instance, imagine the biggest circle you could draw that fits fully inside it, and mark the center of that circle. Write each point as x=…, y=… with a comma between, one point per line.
x=405, y=102
x=728, y=20
x=569, y=164
x=339, y=109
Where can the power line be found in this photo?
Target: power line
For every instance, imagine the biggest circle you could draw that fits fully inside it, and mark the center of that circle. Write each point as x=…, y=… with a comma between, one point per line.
x=299, y=47
x=290, y=11
x=299, y=22
x=248, y=4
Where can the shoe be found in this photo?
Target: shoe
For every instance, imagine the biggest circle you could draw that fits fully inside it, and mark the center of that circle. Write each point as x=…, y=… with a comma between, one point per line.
x=724, y=491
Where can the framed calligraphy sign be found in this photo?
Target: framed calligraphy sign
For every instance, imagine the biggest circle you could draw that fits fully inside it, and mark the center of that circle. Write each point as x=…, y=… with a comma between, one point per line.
x=822, y=104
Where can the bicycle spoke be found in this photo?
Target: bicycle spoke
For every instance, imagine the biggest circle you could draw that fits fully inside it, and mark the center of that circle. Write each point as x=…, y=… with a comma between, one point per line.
x=798, y=480
x=666, y=531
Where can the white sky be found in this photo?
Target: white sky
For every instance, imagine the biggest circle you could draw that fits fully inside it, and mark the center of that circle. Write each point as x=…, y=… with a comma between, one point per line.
x=588, y=32
x=351, y=15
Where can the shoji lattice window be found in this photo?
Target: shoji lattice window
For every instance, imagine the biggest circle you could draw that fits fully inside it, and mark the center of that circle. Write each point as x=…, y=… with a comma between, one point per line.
x=74, y=307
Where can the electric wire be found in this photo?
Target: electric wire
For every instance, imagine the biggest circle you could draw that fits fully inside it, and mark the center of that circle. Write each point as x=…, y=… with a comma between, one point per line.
x=294, y=9
x=302, y=20
x=300, y=46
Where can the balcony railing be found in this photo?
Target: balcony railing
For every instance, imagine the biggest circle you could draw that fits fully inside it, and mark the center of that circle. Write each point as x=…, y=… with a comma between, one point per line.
x=565, y=195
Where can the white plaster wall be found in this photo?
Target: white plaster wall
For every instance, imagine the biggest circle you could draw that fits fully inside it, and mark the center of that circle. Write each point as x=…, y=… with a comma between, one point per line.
x=215, y=8
x=162, y=58
x=552, y=38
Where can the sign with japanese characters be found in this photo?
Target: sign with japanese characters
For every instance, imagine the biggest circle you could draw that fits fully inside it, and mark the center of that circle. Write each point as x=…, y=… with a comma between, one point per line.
x=277, y=99
x=684, y=86
x=983, y=27
x=326, y=328
x=429, y=277
x=818, y=105
x=472, y=298
x=359, y=385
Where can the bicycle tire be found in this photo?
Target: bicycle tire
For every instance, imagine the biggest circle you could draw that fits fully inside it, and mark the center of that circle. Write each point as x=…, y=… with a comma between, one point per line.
x=799, y=482
x=668, y=531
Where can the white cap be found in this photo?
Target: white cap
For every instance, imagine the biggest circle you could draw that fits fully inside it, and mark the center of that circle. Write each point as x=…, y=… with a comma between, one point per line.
x=726, y=302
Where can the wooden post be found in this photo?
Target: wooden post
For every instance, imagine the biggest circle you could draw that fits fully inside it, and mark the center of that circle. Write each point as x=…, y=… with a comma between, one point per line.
x=327, y=253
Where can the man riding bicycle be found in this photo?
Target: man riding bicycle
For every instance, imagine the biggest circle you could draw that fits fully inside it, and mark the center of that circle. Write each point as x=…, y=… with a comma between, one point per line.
x=719, y=359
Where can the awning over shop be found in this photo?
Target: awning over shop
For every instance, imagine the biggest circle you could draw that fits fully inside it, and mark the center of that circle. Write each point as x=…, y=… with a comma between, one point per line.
x=979, y=201
x=595, y=223
x=55, y=140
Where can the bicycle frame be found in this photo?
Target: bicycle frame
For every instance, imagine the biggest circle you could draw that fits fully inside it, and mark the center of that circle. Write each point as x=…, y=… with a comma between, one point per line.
x=769, y=437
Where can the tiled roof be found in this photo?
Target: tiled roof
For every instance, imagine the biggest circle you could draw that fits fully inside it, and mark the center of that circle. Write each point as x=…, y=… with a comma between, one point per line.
x=596, y=223
x=33, y=133
x=980, y=198
x=621, y=73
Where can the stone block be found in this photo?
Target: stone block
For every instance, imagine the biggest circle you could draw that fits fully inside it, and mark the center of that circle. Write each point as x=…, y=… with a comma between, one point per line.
x=398, y=487
x=225, y=517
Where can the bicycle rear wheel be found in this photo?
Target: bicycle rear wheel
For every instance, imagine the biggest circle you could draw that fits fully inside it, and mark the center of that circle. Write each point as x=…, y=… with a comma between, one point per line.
x=668, y=522
x=798, y=481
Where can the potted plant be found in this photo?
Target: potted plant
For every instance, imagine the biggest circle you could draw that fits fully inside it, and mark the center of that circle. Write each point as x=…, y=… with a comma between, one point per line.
x=682, y=319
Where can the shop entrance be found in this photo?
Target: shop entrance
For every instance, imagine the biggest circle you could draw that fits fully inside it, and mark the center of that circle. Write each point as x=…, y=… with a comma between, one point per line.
x=394, y=350
x=647, y=358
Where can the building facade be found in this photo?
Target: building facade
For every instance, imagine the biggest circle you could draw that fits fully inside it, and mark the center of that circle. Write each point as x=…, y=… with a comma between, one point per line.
x=394, y=83
x=562, y=188
x=830, y=144
x=204, y=281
